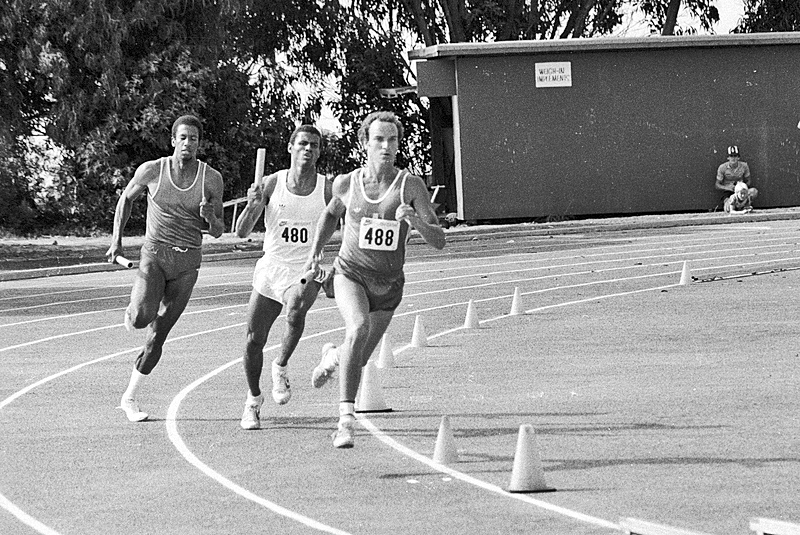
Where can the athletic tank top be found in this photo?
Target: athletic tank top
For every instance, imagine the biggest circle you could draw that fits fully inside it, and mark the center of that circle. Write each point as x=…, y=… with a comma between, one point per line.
x=372, y=238
x=173, y=213
x=290, y=221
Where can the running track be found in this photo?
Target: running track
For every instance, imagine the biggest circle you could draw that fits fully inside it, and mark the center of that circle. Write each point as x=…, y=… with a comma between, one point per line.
x=645, y=400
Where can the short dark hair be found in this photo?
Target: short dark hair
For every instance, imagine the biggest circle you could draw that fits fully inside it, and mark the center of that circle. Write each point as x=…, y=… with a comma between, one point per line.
x=189, y=120
x=385, y=116
x=308, y=129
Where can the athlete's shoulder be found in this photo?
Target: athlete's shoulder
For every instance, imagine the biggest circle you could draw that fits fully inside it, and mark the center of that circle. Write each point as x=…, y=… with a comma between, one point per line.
x=212, y=173
x=342, y=182
x=148, y=171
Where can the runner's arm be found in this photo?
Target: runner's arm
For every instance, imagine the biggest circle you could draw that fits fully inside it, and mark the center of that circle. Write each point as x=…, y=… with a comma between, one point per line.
x=257, y=200
x=211, y=206
x=133, y=191
x=420, y=214
x=326, y=224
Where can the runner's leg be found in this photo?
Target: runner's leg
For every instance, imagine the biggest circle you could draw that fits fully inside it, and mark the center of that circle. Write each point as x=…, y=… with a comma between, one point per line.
x=262, y=312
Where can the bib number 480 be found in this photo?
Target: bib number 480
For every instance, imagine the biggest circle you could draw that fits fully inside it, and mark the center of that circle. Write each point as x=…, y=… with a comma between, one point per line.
x=295, y=235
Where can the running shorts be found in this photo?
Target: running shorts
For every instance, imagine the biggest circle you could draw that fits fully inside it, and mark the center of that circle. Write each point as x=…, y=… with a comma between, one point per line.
x=384, y=292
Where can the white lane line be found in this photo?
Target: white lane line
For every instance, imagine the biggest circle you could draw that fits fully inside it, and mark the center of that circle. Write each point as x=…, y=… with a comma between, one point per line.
x=11, y=507
x=455, y=474
x=25, y=518
x=180, y=445
x=386, y=439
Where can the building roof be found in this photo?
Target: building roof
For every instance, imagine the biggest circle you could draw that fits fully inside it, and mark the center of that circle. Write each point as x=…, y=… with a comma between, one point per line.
x=502, y=48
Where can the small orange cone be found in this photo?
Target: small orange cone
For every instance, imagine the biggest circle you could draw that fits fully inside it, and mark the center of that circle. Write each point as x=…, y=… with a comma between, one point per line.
x=686, y=275
x=516, y=305
x=527, y=474
x=386, y=355
x=445, y=451
x=418, y=338
x=471, y=320
x=370, y=397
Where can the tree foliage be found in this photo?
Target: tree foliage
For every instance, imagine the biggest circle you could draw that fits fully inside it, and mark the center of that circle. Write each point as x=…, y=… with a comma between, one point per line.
x=102, y=80
x=770, y=16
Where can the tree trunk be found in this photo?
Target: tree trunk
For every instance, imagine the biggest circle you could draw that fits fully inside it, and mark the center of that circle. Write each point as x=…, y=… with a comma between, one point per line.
x=672, y=17
x=415, y=8
x=580, y=19
x=453, y=10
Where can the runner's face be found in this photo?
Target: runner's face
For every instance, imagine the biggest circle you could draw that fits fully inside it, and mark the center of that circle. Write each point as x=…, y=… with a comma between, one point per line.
x=382, y=143
x=305, y=149
x=186, y=141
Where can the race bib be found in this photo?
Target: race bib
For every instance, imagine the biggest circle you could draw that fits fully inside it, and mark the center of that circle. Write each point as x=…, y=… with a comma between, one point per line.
x=295, y=231
x=378, y=234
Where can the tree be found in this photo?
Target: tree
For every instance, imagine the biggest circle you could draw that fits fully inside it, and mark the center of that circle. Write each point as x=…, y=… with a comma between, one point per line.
x=105, y=78
x=769, y=16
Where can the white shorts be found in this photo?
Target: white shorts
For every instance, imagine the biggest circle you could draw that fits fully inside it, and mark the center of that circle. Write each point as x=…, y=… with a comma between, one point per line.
x=271, y=279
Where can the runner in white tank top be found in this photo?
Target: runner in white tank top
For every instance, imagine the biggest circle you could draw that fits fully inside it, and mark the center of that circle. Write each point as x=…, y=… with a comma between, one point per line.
x=369, y=269
x=292, y=200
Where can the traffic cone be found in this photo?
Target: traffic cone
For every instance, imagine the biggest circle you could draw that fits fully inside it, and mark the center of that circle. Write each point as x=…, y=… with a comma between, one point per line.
x=471, y=321
x=418, y=338
x=445, y=451
x=527, y=474
x=686, y=275
x=386, y=355
x=370, y=397
x=516, y=306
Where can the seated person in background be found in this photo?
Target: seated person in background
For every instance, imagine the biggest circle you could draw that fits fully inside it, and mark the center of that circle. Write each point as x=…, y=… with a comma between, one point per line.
x=732, y=172
x=739, y=202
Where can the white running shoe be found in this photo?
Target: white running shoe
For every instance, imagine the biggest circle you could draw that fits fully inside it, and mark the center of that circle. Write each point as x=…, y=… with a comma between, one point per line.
x=132, y=411
x=252, y=412
x=327, y=365
x=345, y=431
x=281, y=391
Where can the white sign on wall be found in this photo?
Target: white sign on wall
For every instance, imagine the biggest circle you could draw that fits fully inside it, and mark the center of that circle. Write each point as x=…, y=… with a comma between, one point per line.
x=554, y=74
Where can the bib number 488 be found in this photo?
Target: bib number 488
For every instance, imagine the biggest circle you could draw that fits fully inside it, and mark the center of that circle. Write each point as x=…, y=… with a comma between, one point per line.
x=378, y=234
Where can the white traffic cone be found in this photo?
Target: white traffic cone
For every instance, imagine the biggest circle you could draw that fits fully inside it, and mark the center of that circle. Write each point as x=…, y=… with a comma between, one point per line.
x=445, y=451
x=686, y=274
x=516, y=305
x=471, y=320
x=370, y=397
x=527, y=474
x=386, y=355
x=418, y=338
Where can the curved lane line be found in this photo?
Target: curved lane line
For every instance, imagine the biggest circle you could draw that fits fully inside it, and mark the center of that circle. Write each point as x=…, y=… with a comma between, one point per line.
x=180, y=445
x=25, y=518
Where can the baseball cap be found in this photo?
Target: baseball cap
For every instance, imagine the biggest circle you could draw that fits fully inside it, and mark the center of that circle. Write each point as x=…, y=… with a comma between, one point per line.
x=733, y=150
x=739, y=187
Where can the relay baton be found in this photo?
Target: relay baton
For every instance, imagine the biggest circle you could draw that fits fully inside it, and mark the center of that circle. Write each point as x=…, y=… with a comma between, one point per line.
x=308, y=275
x=124, y=262
x=261, y=156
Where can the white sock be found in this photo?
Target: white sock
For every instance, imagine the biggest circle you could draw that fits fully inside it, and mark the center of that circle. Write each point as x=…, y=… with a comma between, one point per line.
x=347, y=409
x=276, y=366
x=133, y=385
x=253, y=399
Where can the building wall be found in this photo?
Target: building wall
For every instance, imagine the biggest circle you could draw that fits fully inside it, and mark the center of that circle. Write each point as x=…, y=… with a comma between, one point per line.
x=640, y=129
